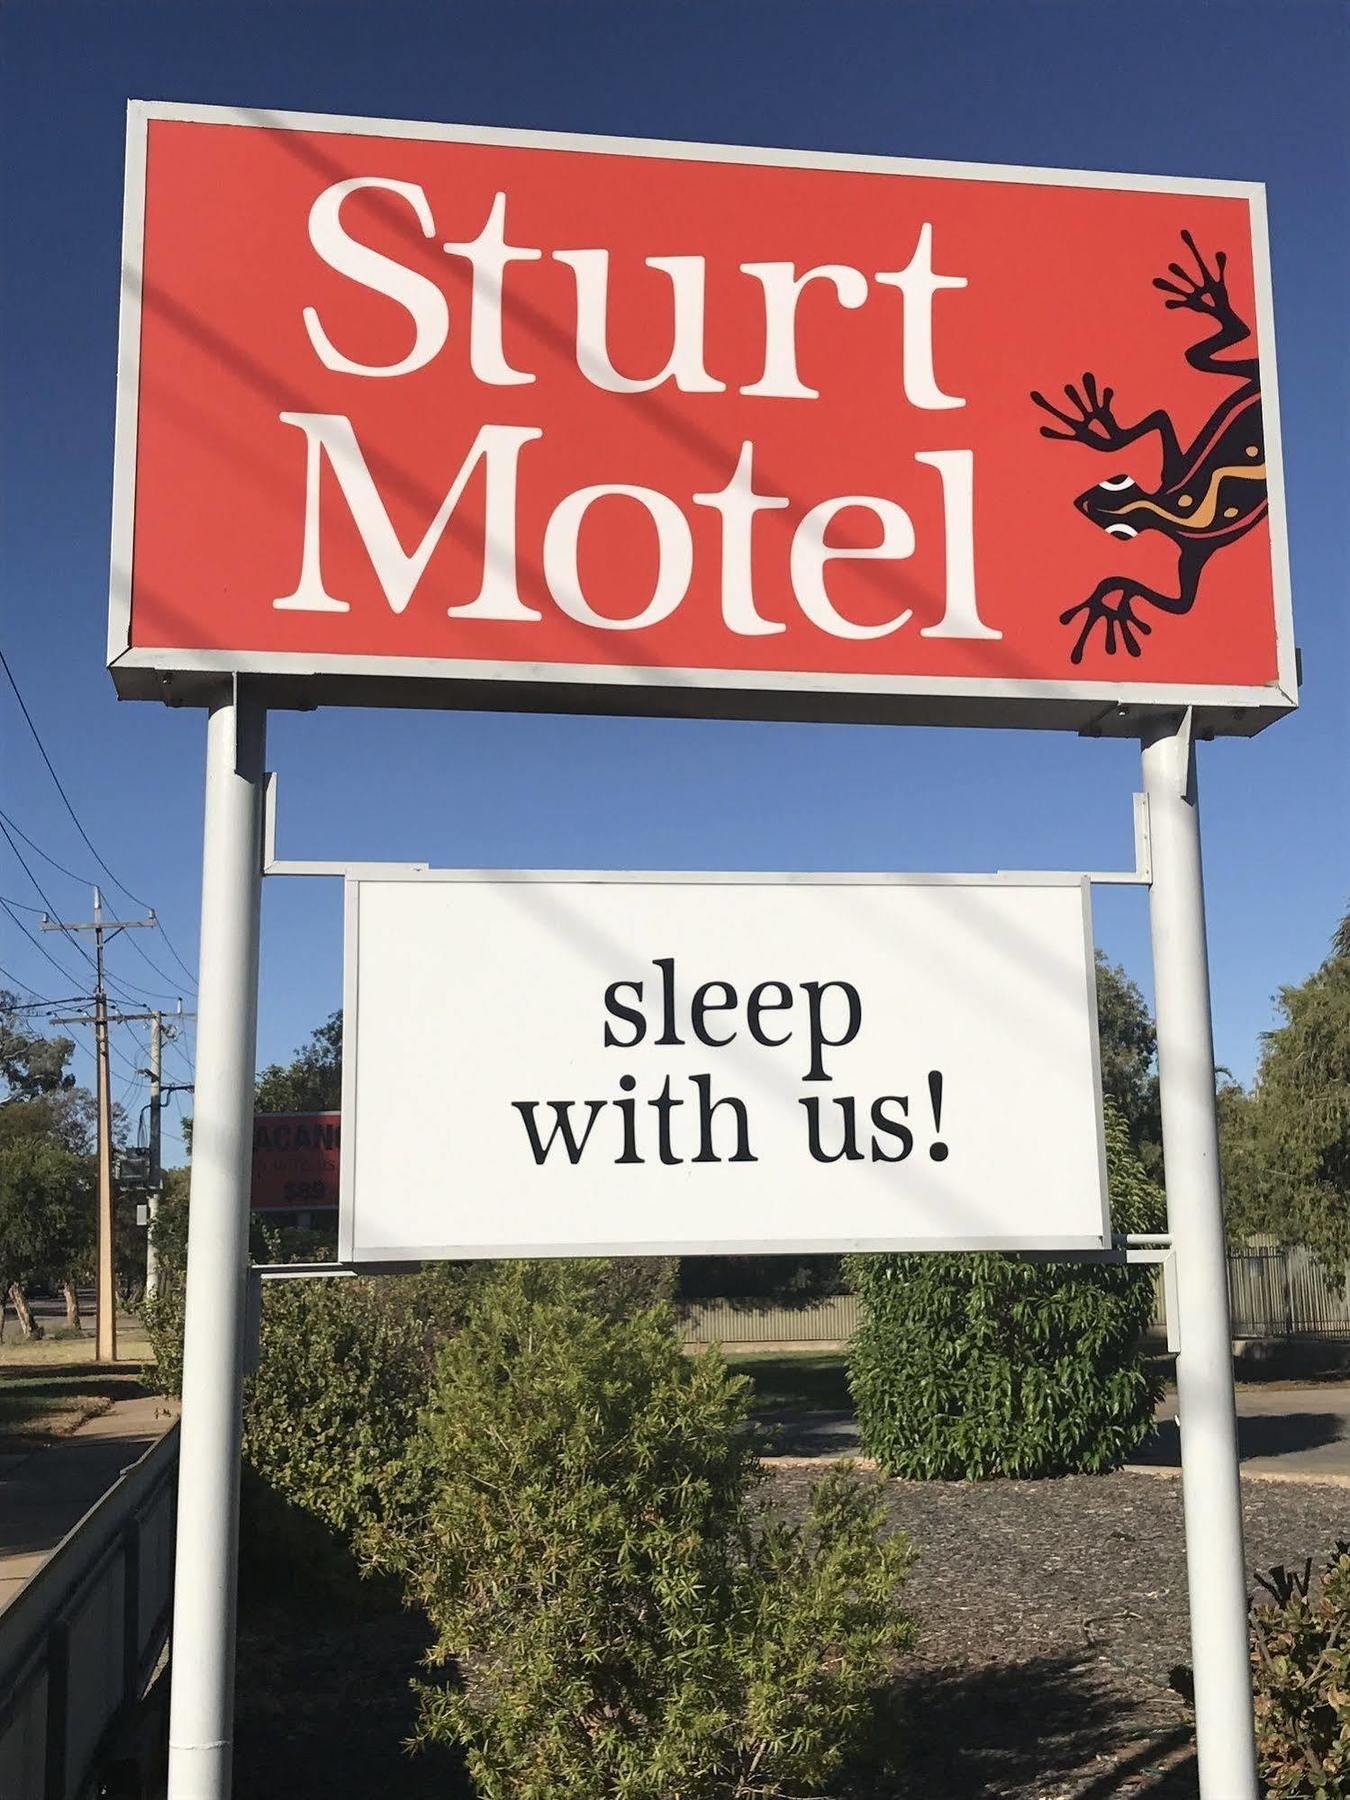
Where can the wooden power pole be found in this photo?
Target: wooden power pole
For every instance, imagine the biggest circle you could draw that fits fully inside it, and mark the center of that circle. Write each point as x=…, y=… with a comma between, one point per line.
x=105, y=1347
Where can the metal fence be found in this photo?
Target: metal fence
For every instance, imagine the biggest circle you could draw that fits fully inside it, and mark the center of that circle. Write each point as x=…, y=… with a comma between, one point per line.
x=80, y=1641
x=1273, y=1293
x=764, y=1323
x=1285, y=1293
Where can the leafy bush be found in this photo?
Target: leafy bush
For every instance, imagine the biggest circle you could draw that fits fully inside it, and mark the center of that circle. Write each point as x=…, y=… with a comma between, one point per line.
x=342, y=1372
x=970, y=1366
x=623, y=1619
x=162, y=1317
x=1301, y=1673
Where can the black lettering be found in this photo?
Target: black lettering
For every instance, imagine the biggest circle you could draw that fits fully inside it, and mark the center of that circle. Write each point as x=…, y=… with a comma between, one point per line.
x=562, y=1127
x=664, y=1105
x=815, y=992
x=702, y=1006
x=630, y=1014
x=902, y=1133
x=628, y=1110
x=666, y=964
x=707, y=1106
x=848, y=1150
x=757, y=1005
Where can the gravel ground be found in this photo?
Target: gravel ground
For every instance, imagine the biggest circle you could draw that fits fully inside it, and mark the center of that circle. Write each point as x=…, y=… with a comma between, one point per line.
x=1050, y=1616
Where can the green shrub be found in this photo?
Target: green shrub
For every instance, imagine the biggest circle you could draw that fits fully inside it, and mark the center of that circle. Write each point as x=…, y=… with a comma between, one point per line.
x=970, y=1366
x=1301, y=1674
x=622, y=1619
x=343, y=1370
x=163, y=1321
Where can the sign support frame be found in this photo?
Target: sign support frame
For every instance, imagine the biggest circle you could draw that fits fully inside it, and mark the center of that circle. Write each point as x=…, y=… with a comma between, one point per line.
x=239, y=848
x=1206, y=1408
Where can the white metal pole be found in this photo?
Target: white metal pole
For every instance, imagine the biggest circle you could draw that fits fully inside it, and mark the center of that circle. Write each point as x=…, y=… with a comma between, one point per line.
x=1211, y=1490
x=201, y=1710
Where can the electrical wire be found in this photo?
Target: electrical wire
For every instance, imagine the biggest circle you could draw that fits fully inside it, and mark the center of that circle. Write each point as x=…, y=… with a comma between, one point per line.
x=52, y=909
x=84, y=880
x=9, y=901
x=126, y=990
x=37, y=1000
x=40, y=948
x=135, y=899
x=42, y=751
x=7, y=826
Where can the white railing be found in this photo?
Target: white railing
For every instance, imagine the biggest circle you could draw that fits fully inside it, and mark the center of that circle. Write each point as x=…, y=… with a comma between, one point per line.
x=81, y=1640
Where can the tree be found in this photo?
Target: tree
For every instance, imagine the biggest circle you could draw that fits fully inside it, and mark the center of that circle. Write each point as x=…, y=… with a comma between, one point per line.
x=30, y=1063
x=46, y=1176
x=310, y=1083
x=1286, y=1144
x=1129, y=1054
x=46, y=1206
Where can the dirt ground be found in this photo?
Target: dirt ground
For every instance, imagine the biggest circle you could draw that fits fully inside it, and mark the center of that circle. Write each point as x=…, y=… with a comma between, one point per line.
x=1051, y=1615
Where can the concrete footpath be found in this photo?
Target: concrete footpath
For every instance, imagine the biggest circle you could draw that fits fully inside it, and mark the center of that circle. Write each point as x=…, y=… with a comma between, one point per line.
x=44, y=1492
x=1286, y=1432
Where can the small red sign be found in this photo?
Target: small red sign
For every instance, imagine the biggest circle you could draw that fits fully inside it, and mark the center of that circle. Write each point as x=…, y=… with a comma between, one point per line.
x=641, y=425
x=296, y=1158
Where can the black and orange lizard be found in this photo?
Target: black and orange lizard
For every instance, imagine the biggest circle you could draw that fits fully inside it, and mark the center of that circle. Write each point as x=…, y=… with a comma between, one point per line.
x=1210, y=494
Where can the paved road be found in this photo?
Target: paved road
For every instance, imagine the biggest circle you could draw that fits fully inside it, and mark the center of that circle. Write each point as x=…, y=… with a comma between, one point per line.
x=44, y=1492
x=1288, y=1430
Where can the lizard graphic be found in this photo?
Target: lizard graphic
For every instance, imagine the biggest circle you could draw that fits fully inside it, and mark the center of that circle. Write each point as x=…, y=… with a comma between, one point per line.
x=1211, y=493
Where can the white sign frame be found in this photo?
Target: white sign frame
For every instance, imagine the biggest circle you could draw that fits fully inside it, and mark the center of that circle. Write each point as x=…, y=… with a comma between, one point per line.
x=826, y=1243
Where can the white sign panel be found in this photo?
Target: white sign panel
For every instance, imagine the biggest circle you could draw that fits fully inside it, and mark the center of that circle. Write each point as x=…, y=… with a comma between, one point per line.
x=573, y=1064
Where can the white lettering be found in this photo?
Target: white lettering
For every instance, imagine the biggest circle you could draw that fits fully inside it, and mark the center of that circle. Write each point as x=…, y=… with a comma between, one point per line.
x=962, y=616
x=918, y=284
x=782, y=290
x=810, y=553
x=398, y=572
x=489, y=254
x=685, y=363
x=422, y=298
x=738, y=503
x=675, y=556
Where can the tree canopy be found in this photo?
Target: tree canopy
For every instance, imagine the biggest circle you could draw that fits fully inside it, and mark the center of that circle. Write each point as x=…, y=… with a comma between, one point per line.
x=46, y=1171
x=312, y=1081
x=1129, y=1055
x=1286, y=1143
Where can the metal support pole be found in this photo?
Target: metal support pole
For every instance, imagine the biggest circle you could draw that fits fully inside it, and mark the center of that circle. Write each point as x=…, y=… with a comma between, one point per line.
x=1211, y=1490
x=201, y=1713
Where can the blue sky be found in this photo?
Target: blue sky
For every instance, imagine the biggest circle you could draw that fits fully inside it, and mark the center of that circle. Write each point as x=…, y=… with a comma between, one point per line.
x=1245, y=90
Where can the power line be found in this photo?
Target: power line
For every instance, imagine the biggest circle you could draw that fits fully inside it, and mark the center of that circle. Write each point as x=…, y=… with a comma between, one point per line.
x=10, y=976
x=36, y=910
x=171, y=992
x=40, y=948
x=42, y=751
x=88, y=841
x=43, y=896
x=84, y=880
x=119, y=983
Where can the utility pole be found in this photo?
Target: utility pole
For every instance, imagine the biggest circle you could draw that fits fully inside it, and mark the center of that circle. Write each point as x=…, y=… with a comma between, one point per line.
x=105, y=1335
x=158, y=1031
x=156, y=1172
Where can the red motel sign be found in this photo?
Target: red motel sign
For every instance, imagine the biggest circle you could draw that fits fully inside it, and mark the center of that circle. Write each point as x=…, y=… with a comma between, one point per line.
x=444, y=415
